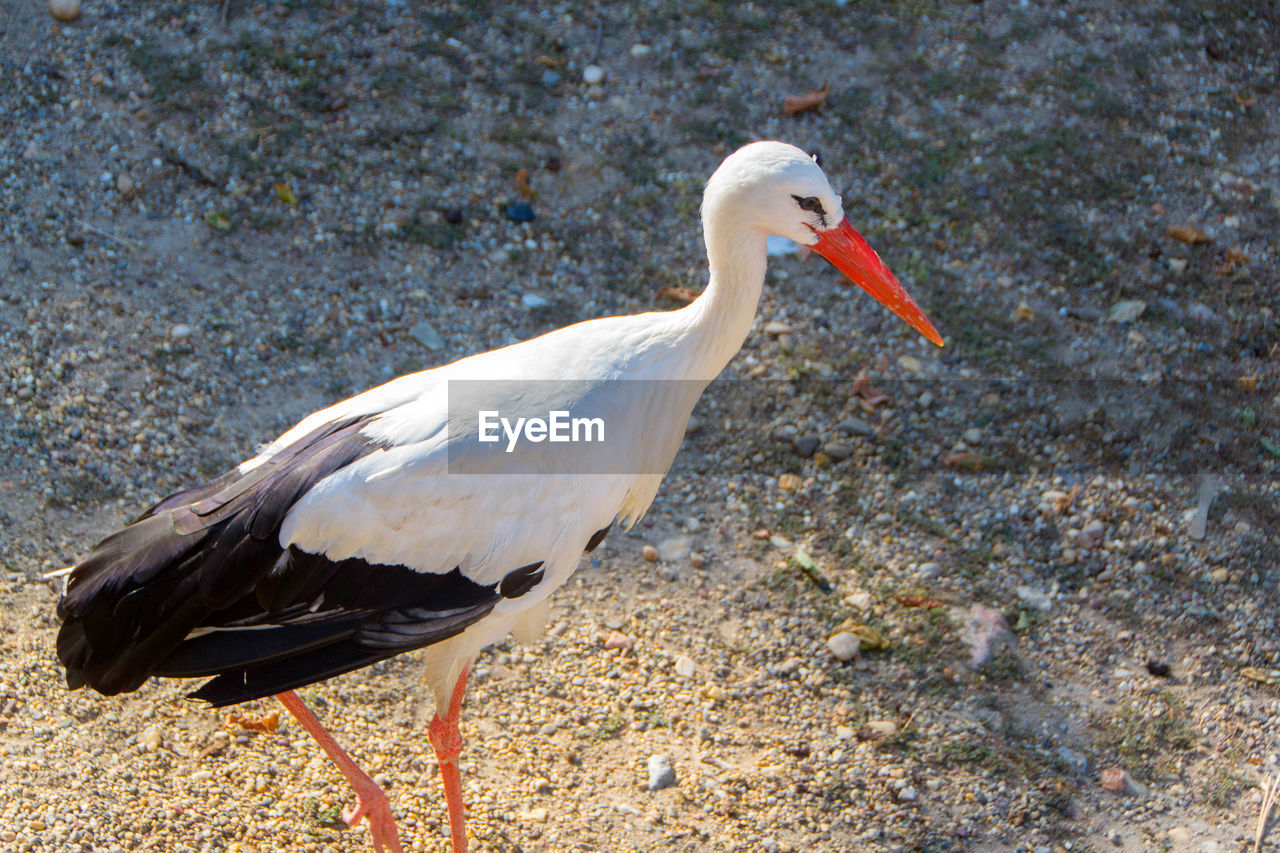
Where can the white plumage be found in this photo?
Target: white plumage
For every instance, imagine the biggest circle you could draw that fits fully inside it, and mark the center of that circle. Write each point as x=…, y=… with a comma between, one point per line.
x=383, y=524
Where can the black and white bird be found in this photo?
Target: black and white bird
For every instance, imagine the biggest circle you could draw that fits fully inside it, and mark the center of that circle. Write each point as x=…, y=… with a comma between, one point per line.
x=389, y=522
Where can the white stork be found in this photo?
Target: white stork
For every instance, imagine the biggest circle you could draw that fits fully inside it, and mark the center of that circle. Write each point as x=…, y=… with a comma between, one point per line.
x=382, y=524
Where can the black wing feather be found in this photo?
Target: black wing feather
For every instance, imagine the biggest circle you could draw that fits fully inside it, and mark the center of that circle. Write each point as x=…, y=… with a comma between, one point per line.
x=363, y=612
x=200, y=586
x=143, y=589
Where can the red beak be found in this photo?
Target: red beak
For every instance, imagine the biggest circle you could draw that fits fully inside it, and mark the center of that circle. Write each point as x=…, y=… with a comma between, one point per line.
x=849, y=253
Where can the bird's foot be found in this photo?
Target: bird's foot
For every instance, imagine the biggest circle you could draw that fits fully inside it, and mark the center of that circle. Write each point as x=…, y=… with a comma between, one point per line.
x=372, y=805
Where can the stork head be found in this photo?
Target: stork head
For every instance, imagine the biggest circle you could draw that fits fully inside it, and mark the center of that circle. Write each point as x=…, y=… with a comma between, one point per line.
x=780, y=189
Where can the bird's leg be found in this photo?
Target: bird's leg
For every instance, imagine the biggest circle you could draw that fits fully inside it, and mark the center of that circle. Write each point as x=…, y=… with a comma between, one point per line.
x=447, y=742
x=371, y=801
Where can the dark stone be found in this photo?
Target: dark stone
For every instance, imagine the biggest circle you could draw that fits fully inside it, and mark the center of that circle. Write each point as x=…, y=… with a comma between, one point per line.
x=806, y=445
x=856, y=426
x=519, y=212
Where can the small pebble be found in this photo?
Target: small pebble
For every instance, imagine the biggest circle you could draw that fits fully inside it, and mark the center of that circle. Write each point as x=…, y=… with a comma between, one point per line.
x=789, y=482
x=806, y=445
x=533, y=300
x=126, y=185
x=837, y=450
x=593, y=75
x=64, y=10
x=618, y=640
x=881, y=728
x=519, y=211
x=150, y=739
x=773, y=327
x=661, y=773
x=697, y=559
x=1127, y=311
x=1091, y=535
x=984, y=630
x=180, y=332
x=844, y=646
x=639, y=51
x=856, y=426
x=929, y=571
x=650, y=554
x=425, y=334
x=685, y=667
x=535, y=815
x=675, y=548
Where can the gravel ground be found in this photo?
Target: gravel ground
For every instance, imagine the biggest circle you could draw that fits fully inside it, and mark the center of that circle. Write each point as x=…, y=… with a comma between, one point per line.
x=1055, y=541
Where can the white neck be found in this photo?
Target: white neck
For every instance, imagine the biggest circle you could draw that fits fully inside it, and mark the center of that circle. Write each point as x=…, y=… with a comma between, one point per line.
x=720, y=319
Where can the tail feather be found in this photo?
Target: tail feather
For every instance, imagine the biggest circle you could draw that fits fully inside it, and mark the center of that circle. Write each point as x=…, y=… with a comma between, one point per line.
x=242, y=685
x=144, y=589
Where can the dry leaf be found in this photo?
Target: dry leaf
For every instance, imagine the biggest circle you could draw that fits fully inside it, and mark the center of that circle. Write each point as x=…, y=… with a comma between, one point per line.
x=1023, y=313
x=872, y=640
x=678, y=294
x=1234, y=257
x=1247, y=383
x=918, y=601
x=265, y=723
x=550, y=61
x=522, y=184
x=1115, y=780
x=1060, y=500
x=789, y=482
x=967, y=461
x=1271, y=677
x=218, y=221
x=1187, y=234
x=871, y=396
x=286, y=194
x=793, y=104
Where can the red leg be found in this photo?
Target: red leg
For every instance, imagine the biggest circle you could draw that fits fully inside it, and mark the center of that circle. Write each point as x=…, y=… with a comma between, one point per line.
x=371, y=801
x=447, y=742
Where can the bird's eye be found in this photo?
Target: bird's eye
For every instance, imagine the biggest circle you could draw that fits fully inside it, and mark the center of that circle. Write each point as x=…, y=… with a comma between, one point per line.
x=811, y=204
